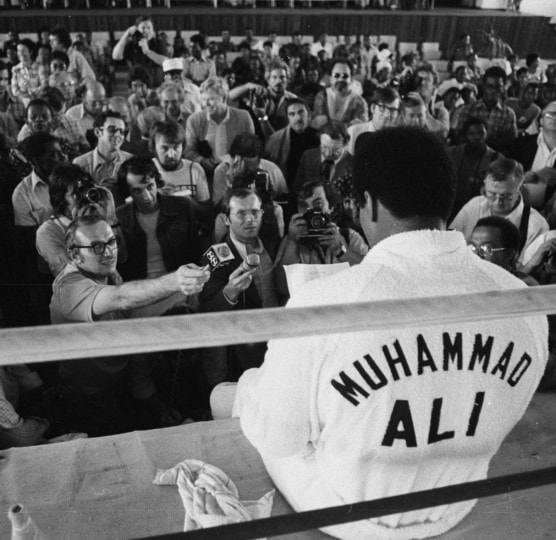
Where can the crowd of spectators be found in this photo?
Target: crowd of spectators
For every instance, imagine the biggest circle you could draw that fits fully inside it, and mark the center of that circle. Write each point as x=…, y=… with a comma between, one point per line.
x=110, y=201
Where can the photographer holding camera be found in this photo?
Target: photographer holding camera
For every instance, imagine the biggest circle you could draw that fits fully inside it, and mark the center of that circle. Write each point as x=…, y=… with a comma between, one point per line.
x=71, y=189
x=314, y=237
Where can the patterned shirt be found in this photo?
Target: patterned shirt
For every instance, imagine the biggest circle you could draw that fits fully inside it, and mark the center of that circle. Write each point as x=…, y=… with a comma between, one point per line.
x=198, y=70
x=500, y=120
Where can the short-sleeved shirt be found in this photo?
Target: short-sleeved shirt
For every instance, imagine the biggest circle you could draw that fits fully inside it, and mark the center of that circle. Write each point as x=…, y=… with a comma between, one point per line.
x=189, y=174
x=31, y=202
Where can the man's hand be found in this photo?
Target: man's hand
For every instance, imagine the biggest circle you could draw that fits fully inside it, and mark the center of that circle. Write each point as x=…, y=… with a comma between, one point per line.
x=191, y=278
x=331, y=238
x=131, y=30
x=543, y=256
x=237, y=167
x=239, y=281
x=297, y=227
x=144, y=44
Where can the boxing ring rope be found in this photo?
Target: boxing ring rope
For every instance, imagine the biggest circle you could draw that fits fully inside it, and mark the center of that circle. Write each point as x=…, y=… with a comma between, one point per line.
x=82, y=340
x=313, y=519
x=86, y=340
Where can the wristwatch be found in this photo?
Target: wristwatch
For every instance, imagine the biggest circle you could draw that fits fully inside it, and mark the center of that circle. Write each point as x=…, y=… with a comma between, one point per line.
x=263, y=118
x=342, y=252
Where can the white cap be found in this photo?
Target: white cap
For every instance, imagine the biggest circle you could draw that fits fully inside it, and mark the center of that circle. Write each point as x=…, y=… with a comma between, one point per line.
x=172, y=64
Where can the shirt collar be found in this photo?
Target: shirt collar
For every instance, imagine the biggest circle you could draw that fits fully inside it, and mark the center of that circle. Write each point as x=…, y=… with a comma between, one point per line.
x=98, y=160
x=36, y=180
x=242, y=248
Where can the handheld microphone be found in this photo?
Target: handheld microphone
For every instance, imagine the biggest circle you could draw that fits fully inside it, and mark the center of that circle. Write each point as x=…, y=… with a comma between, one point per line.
x=252, y=261
x=216, y=256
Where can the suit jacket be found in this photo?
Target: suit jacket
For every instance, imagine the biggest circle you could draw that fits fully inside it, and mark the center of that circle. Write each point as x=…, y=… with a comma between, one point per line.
x=310, y=167
x=524, y=149
x=238, y=357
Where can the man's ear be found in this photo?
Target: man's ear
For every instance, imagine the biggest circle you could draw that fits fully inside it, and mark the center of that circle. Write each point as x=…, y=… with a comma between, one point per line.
x=227, y=220
x=74, y=255
x=371, y=203
x=97, y=132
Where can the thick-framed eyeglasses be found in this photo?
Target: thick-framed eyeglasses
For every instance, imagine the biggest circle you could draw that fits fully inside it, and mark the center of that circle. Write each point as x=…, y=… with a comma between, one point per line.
x=485, y=251
x=550, y=115
x=502, y=197
x=99, y=247
x=114, y=129
x=242, y=215
x=384, y=108
x=341, y=75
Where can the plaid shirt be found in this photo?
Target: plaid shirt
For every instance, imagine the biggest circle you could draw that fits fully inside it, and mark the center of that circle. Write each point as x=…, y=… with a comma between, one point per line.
x=501, y=121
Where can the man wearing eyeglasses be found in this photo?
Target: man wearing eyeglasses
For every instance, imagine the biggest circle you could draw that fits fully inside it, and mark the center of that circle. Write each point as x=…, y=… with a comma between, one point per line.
x=339, y=102
x=88, y=290
x=385, y=107
x=237, y=285
x=104, y=161
x=537, y=152
x=502, y=197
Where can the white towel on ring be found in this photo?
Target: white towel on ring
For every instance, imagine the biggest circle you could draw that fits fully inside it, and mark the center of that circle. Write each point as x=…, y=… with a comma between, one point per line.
x=209, y=496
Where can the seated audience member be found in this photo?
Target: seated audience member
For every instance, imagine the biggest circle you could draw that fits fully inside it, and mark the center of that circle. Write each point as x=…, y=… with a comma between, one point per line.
x=179, y=175
x=237, y=286
x=120, y=105
x=226, y=45
x=332, y=165
x=31, y=199
x=70, y=188
x=385, y=107
x=198, y=67
x=161, y=232
x=104, y=161
x=19, y=388
x=8, y=128
x=96, y=389
x=94, y=101
x=500, y=119
x=64, y=82
x=502, y=197
x=472, y=160
x=269, y=104
x=497, y=240
x=172, y=101
x=140, y=94
x=526, y=110
x=146, y=119
x=286, y=146
x=548, y=90
x=415, y=113
x=315, y=236
x=437, y=116
x=338, y=418
x=312, y=88
x=46, y=115
x=173, y=72
x=536, y=152
x=9, y=103
x=25, y=81
x=245, y=159
x=60, y=40
x=210, y=132
x=339, y=102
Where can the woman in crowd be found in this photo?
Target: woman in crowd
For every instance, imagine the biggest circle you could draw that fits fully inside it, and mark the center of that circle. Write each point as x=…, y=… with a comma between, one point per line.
x=26, y=82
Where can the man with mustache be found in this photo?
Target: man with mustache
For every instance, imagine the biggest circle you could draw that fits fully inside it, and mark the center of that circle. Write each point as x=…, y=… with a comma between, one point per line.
x=339, y=101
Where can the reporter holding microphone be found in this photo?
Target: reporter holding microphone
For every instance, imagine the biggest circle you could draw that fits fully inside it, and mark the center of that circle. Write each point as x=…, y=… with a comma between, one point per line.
x=244, y=281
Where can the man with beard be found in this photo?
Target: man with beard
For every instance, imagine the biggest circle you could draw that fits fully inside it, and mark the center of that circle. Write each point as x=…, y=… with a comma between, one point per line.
x=472, y=160
x=181, y=175
x=104, y=161
x=286, y=146
x=385, y=107
x=269, y=104
x=339, y=102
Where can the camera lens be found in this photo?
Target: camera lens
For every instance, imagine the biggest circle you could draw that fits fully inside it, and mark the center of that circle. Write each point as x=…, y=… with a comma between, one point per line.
x=93, y=195
x=318, y=222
